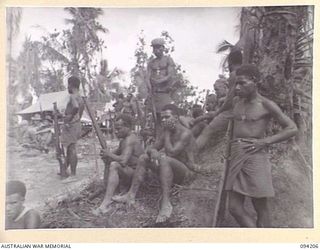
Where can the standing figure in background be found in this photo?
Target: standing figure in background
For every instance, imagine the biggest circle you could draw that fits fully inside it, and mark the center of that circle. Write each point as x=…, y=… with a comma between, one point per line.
x=160, y=73
x=71, y=129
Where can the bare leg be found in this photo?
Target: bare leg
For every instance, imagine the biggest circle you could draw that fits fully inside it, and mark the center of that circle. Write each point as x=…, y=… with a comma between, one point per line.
x=73, y=158
x=137, y=179
x=262, y=209
x=204, y=137
x=63, y=170
x=218, y=125
x=115, y=171
x=171, y=170
x=236, y=208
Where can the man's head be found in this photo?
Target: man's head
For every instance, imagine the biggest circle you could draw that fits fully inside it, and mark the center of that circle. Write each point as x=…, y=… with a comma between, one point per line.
x=158, y=46
x=15, y=195
x=247, y=78
x=73, y=84
x=211, y=102
x=196, y=111
x=123, y=125
x=221, y=88
x=169, y=116
x=120, y=96
x=129, y=97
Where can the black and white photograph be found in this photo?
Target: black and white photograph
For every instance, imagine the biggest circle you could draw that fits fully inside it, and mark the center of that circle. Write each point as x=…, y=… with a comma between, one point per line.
x=159, y=117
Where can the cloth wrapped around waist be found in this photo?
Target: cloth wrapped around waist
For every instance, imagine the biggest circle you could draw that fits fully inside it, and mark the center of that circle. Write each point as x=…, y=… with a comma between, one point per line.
x=249, y=173
x=70, y=133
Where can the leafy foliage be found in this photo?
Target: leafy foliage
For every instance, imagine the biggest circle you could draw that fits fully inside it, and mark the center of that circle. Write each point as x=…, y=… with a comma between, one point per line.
x=75, y=49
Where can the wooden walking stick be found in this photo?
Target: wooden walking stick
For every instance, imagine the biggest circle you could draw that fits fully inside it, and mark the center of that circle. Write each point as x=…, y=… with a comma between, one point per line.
x=221, y=205
x=98, y=131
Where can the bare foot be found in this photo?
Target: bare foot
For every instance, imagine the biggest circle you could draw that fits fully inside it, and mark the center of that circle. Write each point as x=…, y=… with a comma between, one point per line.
x=164, y=213
x=124, y=199
x=103, y=209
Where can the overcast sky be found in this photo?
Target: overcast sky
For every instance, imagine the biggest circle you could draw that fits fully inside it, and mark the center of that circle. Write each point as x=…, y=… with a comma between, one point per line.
x=196, y=31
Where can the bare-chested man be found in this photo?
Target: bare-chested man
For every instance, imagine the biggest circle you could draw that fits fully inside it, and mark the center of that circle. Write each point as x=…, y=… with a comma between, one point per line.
x=160, y=71
x=71, y=130
x=17, y=215
x=123, y=161
x=249, y=172
x=173, y=164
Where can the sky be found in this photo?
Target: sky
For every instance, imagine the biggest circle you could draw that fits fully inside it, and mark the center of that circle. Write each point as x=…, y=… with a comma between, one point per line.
x=196, y=33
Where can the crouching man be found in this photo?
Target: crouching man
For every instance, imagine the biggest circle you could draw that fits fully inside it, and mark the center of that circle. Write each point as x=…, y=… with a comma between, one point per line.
x=123, y=160
x=17, y=215
x=174, y=164
x=249, y=172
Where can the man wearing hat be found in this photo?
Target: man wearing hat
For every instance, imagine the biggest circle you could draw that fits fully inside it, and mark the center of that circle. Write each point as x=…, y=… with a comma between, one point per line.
x=160, y=71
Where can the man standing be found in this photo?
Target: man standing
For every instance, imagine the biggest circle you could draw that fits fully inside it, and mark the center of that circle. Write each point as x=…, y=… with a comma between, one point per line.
x=174, y=164
x=249, y=173
x=123, y=160
x=71, y=130
x=17, y=215
x=160, y=72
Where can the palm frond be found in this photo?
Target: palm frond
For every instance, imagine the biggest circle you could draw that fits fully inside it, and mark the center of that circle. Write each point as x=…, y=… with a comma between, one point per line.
x=223, y=46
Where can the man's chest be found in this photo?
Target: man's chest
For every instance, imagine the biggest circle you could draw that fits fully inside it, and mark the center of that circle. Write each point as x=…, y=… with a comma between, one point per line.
x=159, y=65
x=250, y=111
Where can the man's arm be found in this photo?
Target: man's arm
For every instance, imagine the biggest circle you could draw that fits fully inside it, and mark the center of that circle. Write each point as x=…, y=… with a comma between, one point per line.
x=124, y=156
x=148, y=75
x=158, y=144
x=178, y=146
x=32, y=220
x=289, y=127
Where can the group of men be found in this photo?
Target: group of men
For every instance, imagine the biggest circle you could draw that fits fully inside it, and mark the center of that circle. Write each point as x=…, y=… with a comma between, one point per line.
x=172, y=156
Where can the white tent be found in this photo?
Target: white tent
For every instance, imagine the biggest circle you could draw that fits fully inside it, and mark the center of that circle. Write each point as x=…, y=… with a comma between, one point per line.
x=45, y=103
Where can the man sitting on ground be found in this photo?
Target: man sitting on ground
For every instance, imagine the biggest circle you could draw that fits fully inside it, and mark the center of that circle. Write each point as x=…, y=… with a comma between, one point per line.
x=123, y=160
x=174, y=164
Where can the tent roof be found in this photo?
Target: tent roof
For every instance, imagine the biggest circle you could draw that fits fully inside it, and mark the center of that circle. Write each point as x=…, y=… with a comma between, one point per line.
x=45, y=103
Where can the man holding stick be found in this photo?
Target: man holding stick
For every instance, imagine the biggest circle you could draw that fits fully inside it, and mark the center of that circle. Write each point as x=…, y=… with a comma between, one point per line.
x=249, y=173
x=122, y=162
x=171, y=157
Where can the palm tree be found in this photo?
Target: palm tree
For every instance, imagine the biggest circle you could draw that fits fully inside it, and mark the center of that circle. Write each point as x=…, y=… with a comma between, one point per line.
x=76, y=48
x=13, y=19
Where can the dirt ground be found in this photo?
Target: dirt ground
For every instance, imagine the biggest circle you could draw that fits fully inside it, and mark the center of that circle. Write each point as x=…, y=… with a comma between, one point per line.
x=39, y=170
x=69, y=205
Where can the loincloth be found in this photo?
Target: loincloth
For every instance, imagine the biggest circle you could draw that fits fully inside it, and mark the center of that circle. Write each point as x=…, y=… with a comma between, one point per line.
x=70, y=133
x=249, y=173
